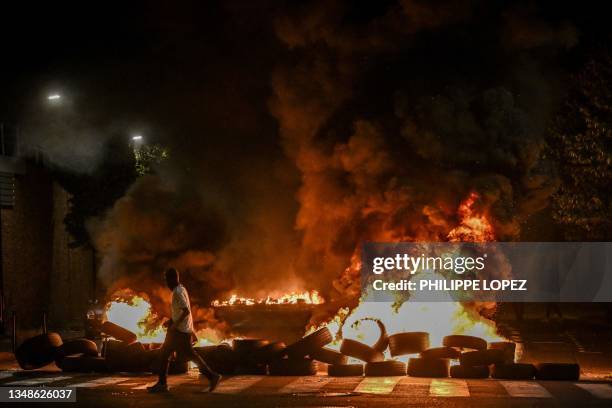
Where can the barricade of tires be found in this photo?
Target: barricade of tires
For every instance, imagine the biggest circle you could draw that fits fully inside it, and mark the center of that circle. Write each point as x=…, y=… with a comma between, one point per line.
x=475, y=357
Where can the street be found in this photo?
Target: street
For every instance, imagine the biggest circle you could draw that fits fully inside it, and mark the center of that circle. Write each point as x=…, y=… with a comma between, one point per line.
x=320, y=390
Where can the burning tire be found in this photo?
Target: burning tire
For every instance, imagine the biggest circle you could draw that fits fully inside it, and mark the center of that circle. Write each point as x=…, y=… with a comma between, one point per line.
x=557, y=371
x=441, y=352
x=513, y=371
x=461, y=371
x=78, y=346
x=408, y=343
x=310, y=343
x=329, y=356
x=293, y=367
x=433, y=368
x=38, y=351
x=360, y=351
x=467, y=342
x=345, y=370
x=385, y=368
x=482, y=357
x=118, y=332
x=508, y=347
x=82, y=364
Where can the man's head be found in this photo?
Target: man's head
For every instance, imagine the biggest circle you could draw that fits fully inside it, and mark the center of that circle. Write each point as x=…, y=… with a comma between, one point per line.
x=172, y=278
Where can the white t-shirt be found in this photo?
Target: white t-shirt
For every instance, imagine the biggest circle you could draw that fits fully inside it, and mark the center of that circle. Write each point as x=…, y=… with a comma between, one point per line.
x=180, y=301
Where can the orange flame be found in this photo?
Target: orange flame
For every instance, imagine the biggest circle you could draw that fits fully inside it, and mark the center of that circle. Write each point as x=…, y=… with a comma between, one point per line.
x=309, y=297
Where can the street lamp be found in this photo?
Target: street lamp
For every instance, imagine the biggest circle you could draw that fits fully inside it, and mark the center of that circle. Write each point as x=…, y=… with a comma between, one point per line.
x=137, y=138
x=54, y=97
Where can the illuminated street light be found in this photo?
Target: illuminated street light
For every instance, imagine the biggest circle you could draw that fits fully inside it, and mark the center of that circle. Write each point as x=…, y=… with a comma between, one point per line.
x=136, y=138
x=54, y=97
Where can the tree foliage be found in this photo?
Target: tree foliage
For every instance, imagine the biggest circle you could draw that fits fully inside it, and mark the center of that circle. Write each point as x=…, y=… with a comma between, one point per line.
x=581, y=140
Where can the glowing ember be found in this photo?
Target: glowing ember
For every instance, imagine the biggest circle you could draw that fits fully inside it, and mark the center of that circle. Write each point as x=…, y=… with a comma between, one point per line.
x=134, y=313
x=309, y=297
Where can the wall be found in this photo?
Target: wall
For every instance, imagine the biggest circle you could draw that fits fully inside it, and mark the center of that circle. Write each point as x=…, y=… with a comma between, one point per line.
x=41, y=273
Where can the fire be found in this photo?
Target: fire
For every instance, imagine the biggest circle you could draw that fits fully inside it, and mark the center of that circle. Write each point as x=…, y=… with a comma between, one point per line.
x=133, y=312
x=473, y=227
x=439, y=319
x=308, y=297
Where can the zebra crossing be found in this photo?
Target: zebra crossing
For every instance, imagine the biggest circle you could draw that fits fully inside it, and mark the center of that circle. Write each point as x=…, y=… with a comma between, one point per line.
x=381, y=386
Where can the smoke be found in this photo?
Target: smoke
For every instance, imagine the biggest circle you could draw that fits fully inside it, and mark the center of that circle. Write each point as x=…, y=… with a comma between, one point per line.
x=389, y=114
x=393, y=120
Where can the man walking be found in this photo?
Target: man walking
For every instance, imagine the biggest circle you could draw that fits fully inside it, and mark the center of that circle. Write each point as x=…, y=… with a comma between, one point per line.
x=178, y=337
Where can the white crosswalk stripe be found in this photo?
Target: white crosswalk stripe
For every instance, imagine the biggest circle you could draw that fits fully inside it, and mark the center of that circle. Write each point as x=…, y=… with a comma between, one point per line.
x=449, y=388
x=603, y=391
x=527, y=389
x=37, y=381
x=237, y=384
x=443, y=387
x=377, y=385
x=6, y=374
x=306, y=384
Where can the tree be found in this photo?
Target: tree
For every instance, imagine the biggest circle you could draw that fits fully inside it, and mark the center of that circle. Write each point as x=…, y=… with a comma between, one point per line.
x=581, y=140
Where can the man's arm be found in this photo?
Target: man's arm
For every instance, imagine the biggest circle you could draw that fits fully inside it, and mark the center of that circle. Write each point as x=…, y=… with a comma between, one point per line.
x=181, y=318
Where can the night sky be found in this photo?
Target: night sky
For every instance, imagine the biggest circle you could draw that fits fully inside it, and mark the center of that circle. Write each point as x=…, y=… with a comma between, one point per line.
x=306, y=127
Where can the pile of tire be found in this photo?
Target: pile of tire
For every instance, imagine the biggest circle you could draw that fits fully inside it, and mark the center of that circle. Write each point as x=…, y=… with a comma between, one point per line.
x=78, y=355
x=474, y=357
x=299, y=358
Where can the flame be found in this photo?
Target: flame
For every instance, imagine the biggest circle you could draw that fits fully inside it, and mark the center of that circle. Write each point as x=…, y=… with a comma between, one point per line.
x=439, y=319
x=133, y=312
x=308, y=297
x=473, y=227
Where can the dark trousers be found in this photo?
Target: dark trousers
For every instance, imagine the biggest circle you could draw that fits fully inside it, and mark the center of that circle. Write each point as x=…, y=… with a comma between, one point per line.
x=181, y=343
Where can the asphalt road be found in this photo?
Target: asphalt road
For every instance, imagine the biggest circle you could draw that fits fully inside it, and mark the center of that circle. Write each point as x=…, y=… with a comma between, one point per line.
x=317, y=391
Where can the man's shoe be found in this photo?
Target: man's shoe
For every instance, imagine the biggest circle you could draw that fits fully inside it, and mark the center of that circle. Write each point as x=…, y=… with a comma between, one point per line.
x=158, y=387
x=214, y=381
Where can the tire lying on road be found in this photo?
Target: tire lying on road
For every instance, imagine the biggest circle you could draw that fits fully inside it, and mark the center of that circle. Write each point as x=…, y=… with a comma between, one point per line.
x=38, y=351
x=557, y=371
x=310, y=343
x=434, y=368
x=408, y=343
x=441, y=352
x=468, y=342
x=508, y=347
x=482, y=357
x=329, y=356
x=77, y=346
x=118, y=332
x=272, y=351
x=360, y=351
x=383, y=340
x=121, y=356
x=513, y=371
x=244, y=347
x=461, y=371
x=345, y=370
x=221, y=358
x=290, y=366
x=81, y=363
x=385, y=368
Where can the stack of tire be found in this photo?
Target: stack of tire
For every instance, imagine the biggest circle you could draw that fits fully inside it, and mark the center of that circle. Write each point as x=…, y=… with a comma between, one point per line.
x=79, y=355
